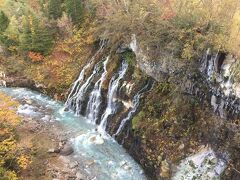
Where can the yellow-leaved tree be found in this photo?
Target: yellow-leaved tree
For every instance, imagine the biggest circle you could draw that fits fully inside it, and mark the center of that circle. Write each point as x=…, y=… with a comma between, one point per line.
x=12, y=160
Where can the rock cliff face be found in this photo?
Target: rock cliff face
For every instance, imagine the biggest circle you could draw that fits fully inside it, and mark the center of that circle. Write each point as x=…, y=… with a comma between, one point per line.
x=154, y=67
x=213, y=79
x=218, y=70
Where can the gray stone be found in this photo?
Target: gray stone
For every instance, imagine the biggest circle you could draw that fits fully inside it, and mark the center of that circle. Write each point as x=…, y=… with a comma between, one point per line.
x=90, y=163
x=66, y=150
x=71, y=177
x=122, y=48
x=73, y=164
x=79, y=176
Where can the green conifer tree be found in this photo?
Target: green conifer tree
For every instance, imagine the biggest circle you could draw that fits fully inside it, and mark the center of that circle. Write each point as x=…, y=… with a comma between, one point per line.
x=54, y=9
x=4, y=21
x=42, y=38
x=36, y=37
x=26, y=36
x=74, y=9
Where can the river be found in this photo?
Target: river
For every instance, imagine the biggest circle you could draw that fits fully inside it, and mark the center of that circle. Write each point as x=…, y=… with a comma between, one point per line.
x=111, y=161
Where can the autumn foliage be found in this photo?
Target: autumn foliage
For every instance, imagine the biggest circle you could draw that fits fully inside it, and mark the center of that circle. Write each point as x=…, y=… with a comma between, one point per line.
x=35, y=57
x=12, y=159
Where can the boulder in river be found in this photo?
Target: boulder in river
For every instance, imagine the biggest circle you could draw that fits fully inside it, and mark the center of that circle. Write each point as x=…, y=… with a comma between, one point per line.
x=79, y=176
x=96, y=139
x=28, y=101
x=66, y=150
x=73, y=164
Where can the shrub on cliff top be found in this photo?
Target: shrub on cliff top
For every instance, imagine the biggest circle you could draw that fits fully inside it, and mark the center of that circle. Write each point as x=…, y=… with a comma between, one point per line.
x=180, y=27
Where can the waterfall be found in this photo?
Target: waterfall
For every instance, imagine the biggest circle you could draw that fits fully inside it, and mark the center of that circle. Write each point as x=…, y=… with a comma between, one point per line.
x=136, y=101
x=95, y=98
x=112, y=92
x=133, y=43
x=76, y=88
x=75, y=100
x=83, y=89
x=210, y=68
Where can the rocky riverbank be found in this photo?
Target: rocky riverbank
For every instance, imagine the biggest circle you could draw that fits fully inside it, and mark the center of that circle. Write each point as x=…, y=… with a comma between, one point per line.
x=51, y=151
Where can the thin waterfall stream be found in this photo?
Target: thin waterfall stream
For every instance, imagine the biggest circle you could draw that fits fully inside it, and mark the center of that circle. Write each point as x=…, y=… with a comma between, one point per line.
x=95, y=98
x=112, y=92
x=131, y=113
x=81, y=93
x=77, y=86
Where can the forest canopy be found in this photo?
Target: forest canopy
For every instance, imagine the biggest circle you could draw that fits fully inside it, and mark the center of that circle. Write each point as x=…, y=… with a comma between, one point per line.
x=56, y=33
x=183, y=27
